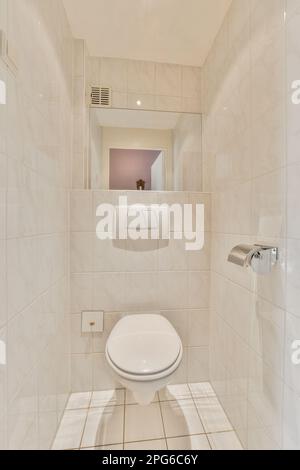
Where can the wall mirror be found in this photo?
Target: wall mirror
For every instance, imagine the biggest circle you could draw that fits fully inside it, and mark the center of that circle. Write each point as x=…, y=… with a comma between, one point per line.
x=144, y=150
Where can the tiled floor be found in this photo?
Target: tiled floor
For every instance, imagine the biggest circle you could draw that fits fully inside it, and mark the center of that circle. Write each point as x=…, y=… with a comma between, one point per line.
x=183, y=417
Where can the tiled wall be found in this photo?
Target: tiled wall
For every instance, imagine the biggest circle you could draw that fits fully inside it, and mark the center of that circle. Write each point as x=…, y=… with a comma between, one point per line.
x=81, y=120
x=187, y=153
x=245, y=167
x=160, y=87
x=35, y=149
x=136, y=276
x=291, y=412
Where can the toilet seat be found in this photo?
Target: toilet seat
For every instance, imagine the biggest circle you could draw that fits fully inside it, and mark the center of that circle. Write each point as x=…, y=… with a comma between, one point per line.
x=144, y=348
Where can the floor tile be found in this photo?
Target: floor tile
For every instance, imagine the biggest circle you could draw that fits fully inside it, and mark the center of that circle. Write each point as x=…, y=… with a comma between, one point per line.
x=79, y=400
x=108, y=398
x=70, y=430
x=181, y=418
x=185, y=412
x=175, y=392
x=104, y=426
x=212, y=415
x=224, y=441
x=112, y=447
x=189, y=443
x=143, y=423
x=202, y=390
x=130, y=400
x=159, y=444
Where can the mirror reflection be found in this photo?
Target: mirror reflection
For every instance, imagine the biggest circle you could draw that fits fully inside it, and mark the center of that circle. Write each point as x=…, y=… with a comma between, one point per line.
x=144, y=150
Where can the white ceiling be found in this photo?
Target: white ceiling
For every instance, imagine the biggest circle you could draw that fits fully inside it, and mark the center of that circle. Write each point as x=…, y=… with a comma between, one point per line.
x=135, y=119
x=171, y=31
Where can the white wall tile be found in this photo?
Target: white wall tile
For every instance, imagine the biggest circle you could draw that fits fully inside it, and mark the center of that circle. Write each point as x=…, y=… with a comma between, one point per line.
x=35, y=147
x=81, y=211
x=3, y=393
x=81, y=292
x=291, y=438
x=141, y=77
x=244, y=163
x=173, y=290
x=199, y=298
x=103, y=378
x=198, y=361
x=82, y=373
x=168, y=80
x=292, y=334
x=265, y=394
x=140, y=101
x=113, y=73
x=134, y=276
x=198, y=328
x=22, y=417
x=35, y=171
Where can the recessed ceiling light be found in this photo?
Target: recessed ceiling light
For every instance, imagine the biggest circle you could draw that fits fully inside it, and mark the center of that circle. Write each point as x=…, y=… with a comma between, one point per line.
x=139, y=103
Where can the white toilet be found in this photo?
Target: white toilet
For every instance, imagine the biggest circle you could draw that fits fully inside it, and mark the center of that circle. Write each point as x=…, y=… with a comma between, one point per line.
x=143, y=352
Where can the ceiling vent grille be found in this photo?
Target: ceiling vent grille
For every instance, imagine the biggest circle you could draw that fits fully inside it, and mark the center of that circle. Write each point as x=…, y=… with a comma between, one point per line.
x=101, y=97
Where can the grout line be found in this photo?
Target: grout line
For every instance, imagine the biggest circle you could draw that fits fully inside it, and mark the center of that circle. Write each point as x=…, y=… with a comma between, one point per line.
x=124, y=420
x=209, y=433
x=209, y=442
x=219, y=403
x=90, y=400
x=159, y=402
x=93, y=407
x=172, y=437
x=83, y=429
x=159, y=439
x=193, y=398
x=162, y=420
x=100, y=447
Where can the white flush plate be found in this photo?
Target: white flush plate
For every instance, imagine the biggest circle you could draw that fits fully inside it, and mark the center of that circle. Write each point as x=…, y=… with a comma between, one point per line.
x=92, y=322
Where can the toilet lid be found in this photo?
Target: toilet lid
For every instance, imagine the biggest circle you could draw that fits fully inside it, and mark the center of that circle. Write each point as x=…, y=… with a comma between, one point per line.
x=144, y=344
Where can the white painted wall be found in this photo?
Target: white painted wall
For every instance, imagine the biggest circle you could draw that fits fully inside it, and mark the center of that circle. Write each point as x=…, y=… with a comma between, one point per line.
x=157, y=174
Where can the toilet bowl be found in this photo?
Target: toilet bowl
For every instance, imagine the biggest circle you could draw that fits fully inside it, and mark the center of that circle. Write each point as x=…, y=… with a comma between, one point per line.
x=143, y=352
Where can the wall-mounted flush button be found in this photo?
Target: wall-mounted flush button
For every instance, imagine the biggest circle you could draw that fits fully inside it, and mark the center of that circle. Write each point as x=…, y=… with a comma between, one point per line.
x=92, y=322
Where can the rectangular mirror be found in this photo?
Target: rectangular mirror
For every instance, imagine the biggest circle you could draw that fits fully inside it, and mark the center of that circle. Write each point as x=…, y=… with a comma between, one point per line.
x=145, y=150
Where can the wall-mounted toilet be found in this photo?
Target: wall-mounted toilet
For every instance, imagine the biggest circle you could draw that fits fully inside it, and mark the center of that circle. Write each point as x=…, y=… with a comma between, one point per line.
x=143, y=352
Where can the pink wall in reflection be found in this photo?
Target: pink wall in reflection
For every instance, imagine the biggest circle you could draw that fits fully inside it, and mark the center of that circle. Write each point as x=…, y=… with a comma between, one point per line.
x=126, y=167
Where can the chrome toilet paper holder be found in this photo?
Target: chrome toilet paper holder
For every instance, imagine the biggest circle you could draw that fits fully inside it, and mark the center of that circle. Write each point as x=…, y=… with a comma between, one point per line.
x=261, y=258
